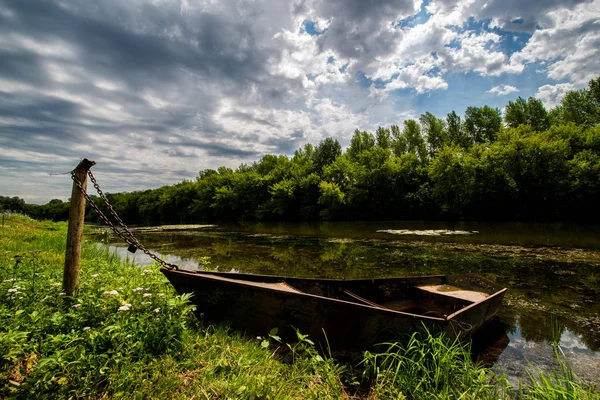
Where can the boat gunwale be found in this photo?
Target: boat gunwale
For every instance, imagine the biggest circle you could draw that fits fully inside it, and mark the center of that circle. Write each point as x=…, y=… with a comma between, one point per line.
x=208, y=275
x=487, y=299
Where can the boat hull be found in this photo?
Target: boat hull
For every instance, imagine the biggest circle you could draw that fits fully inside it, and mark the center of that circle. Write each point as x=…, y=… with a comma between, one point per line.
x=329, y=317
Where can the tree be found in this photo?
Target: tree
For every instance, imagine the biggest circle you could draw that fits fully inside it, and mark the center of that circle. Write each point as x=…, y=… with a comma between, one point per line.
x=578, y=106
x=482, y=124
x=414, y=141
x=383, y=137
x=434, y=131
x=325, y=153
x=455, y=131
x=332, y=199
x=531, y=112
x=398, y=144
x=360, y=142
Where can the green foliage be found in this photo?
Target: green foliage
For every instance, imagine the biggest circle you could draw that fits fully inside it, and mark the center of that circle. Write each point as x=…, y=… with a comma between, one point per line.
x=415, y=143
x=332, y=199
x=456, y=132
x=541, y=165
x=383, y=137
x=434, y=129
x=482, y=124
x=326, y=153
x=531, y=112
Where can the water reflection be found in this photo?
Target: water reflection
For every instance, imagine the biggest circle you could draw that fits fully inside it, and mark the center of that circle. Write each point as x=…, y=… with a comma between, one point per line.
x=561, y=281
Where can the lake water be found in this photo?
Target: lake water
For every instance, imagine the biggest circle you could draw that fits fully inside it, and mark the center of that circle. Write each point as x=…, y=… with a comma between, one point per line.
x=552, y=272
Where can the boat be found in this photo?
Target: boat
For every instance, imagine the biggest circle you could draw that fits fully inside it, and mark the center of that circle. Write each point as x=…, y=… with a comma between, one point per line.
x=341, y=314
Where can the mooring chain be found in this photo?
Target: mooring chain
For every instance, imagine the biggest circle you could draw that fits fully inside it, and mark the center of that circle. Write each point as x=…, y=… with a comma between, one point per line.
x=129, y=238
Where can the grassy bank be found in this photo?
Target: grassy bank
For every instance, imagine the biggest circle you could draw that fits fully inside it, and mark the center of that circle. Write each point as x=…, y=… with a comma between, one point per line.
x=127, y=334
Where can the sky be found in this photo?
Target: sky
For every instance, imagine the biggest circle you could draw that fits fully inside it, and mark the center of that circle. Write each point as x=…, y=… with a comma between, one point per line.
x=155, y=91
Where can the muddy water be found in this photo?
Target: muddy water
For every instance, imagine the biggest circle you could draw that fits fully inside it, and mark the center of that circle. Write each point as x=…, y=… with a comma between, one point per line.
x=552, y=272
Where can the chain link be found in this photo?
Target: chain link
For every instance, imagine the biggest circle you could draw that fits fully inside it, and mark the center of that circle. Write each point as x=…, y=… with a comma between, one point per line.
x=125, y=234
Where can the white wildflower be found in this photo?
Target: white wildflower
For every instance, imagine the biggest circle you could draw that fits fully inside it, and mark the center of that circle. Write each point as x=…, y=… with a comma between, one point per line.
x=20, y=297
x=86, y=328
x=76, y=305
x=61, y=293
x=56, y=284
x=13, y=291
x=126, y=307
x=95, y=275
x=157, y=310
x=10, y=280
x=258, y=338
x=146, y=271
x=137, y=289
x=110, y=293
x=147, y=294
x=146, y=302
x=161, y=294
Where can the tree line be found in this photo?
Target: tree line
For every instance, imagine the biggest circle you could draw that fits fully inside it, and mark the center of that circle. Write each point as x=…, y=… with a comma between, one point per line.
x=523, y=163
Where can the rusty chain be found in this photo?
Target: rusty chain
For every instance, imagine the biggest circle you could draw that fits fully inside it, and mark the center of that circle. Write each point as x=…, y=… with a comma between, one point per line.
x=125, y=234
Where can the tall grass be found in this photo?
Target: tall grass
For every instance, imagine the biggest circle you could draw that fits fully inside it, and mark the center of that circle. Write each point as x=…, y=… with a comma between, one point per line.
x=428, y=366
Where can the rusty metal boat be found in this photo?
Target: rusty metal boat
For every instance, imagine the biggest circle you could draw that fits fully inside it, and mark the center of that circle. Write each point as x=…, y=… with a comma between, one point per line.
x=348, y=314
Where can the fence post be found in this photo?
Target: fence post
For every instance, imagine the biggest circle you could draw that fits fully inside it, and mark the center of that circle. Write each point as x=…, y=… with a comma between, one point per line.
x=75, y=229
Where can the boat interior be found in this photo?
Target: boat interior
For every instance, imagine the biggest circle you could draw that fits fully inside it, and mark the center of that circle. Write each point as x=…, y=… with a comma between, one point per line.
x=434, y=296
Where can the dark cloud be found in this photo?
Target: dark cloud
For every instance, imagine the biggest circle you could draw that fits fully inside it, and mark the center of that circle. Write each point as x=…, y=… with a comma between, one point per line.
x=360, y=28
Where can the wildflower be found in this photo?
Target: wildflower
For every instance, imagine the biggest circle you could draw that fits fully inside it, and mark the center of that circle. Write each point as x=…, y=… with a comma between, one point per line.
x=76, y=305
x=13, y=291
x=157, y=310
x=95, y=275
x=137, y=289
x=86, y=328
x=61, y=293
x=20, y=297
x=146, y=302
x=161, y=294
x=258, y=338
x=10, y=280
x=146, y=271
x=126, y=307
x=110, y=293
x=55, y=284
x=147, y=294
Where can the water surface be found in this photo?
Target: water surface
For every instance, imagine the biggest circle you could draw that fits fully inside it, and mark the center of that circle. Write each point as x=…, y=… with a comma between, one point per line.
x=552, y=272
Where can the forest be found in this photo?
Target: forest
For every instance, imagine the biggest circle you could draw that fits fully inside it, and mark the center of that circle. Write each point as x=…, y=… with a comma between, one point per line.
x=523, y=163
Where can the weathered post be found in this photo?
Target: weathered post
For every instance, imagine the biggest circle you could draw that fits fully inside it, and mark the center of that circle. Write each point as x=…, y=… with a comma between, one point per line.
x=75, y=229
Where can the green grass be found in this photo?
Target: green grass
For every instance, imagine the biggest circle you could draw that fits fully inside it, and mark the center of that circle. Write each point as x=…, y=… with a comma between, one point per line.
x=127, y=334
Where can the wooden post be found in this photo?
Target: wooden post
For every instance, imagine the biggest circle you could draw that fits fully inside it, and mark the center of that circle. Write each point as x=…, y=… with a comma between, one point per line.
x=75, y=230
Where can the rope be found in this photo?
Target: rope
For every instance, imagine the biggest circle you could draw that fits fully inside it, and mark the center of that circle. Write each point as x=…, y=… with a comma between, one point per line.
x=125, y=234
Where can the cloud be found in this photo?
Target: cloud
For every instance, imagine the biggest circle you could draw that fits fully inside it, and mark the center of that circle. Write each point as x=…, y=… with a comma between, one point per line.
x=502, y=90
x=568, y=43
x=552, y=95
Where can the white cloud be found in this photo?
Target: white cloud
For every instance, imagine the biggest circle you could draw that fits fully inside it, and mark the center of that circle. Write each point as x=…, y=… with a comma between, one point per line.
x=551, y=95
x=502, y=90
x=569, y=42
x=477, y=53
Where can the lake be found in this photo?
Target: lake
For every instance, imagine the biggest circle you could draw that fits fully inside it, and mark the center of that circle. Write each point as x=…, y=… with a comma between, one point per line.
x=552, y=272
